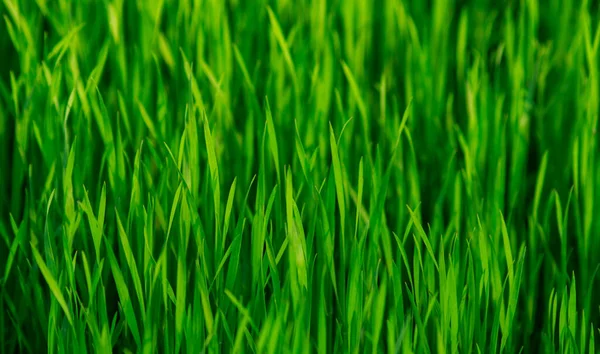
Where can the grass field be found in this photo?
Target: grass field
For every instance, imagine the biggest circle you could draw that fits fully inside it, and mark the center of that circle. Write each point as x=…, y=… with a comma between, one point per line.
x=390, y=176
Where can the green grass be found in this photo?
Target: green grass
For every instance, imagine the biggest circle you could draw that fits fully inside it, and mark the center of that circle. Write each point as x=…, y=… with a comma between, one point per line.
x=306, y=176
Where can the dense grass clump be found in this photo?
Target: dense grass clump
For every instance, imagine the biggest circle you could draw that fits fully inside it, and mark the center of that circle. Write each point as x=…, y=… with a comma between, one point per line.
x=267, y=176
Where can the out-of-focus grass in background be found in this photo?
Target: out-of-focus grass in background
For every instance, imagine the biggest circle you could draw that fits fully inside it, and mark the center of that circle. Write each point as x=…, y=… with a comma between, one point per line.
x=299, y=176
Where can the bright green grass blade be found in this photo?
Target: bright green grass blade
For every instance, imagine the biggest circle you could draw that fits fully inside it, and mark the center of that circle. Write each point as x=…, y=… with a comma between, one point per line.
x=214, y=174
x=128, y=252
x=240, y=307
x=361, y=182
x=68, y=184
x=96, y=224
x=20, y=233
x=358, y=97
x=124, y=297
x=507, y=252
x=174, y=209
x=147, y=120
x=272, y=139
x=282, y=43
x=539, y=185
x=423, y=236
x=228, y=209
x=297, y=251
x=340, y=190
x=209, y=318
x=52, y=284
x=181, y=297
x=379, y=311
x=61, y=47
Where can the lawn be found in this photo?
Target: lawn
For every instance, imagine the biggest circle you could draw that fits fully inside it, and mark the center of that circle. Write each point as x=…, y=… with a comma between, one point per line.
x=299, y=176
